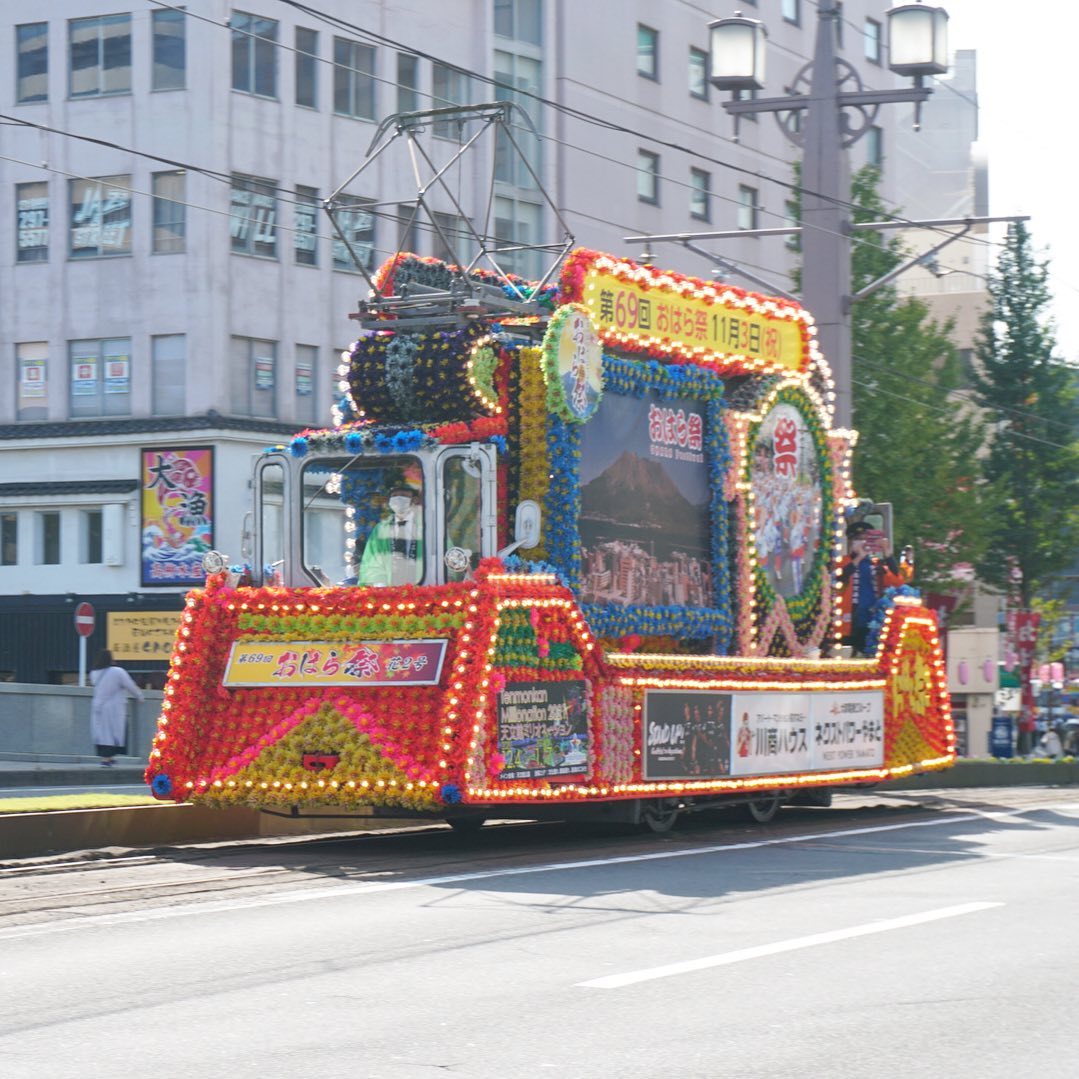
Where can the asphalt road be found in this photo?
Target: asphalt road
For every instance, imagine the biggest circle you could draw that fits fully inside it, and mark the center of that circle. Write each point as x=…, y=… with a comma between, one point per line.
x=892, y=935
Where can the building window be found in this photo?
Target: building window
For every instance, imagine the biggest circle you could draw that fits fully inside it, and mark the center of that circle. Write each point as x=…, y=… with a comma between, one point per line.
x=100, y=377
x=791, y=11
x=100, y=55
x=306, y=375
x=253, y=216
x=747, y=207
x=519, y=223
x=100, y=217
x=520, y=19
x=700, y=194
x=254, y=54
x=170, y=225
x=353, y=79
x=872, y=41
x=452, y=240
x=32, y=222
x=254, y=376
x=648, y=177
x=306, y=67
x=698, y=73
x=746, y=95
x=875, y=146
x=791, y=220
x=448, y=87
x=169, y=374
x=355, y=219
x=90, y=533
x=32, y=62
x=31, y=360
x=170, y=49
x=305, y=226
x=408, y=82
x=647, y=52
x=47, y=538
x=520, y=80
x=9, y=539
x=408, y=238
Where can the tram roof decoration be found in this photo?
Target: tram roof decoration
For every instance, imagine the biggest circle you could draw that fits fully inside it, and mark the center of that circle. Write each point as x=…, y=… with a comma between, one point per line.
x=669, y=316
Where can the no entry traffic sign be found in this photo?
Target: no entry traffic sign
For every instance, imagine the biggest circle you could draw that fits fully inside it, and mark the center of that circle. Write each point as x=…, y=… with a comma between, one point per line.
x=84, y=619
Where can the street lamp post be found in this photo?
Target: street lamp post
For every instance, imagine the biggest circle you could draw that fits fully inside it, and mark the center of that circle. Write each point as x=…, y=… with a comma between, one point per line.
x=837, y=111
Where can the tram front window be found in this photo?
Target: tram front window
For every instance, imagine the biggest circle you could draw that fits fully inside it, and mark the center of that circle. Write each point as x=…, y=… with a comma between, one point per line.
x=462, y=498
x=364, y=521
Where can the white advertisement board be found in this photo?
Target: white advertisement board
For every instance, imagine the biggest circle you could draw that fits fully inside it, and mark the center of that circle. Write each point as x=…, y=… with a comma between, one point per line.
x=806, y=732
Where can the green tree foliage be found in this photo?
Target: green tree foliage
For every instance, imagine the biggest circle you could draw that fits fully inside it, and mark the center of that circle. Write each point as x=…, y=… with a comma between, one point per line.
x=1031, y=399
x=918, y=436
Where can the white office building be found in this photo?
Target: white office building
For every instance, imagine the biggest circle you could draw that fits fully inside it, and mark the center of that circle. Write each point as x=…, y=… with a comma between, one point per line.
x=173, y=299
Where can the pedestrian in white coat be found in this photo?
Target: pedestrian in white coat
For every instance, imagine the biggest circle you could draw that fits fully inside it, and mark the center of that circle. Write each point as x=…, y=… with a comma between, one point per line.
x=108, y=711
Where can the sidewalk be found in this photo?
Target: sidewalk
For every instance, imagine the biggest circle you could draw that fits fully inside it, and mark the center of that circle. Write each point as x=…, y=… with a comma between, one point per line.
x=56, y=770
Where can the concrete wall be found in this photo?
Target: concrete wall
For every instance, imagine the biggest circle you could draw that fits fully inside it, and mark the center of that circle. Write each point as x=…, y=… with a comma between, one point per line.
x=53, y=722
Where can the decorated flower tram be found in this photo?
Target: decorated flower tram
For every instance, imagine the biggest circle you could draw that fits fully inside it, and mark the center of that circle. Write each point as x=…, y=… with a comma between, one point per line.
x=567, y=550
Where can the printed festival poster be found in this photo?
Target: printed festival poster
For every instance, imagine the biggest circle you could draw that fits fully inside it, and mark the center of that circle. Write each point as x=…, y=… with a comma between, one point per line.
x=786, y=479
x=645, y=503
x=687, y=734
x=543, y=729
x=177, y=514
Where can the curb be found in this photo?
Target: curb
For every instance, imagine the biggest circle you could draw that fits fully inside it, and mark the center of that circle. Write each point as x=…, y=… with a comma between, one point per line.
x=31, y=778
x=33, y=835
x=27, y=835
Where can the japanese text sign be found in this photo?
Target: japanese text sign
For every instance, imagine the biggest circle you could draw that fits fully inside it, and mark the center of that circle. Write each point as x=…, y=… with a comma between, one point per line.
x=705, y=323
x=335, y=663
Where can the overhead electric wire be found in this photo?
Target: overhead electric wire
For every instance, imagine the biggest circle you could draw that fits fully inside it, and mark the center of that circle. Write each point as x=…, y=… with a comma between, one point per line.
x=372, y=208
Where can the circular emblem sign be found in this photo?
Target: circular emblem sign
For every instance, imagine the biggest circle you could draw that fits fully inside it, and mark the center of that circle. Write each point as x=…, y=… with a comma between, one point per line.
x=573, y=363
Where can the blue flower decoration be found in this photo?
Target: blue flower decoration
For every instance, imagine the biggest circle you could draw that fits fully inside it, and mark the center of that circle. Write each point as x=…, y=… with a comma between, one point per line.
x=354, y=442
x=298, y=447
x=161, y=785
x=880, y=609
x=450, y=794
x=499, y=441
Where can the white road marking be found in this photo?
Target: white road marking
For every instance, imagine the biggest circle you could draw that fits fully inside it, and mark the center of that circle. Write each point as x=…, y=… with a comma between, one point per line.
x=374, y=888
x=617, y=981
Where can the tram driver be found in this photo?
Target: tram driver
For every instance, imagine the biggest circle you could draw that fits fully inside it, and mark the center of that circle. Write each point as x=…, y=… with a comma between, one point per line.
x=393, y=554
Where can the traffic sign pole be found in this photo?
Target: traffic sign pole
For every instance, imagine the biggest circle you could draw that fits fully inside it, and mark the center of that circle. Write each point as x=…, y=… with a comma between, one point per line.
x=84, y=626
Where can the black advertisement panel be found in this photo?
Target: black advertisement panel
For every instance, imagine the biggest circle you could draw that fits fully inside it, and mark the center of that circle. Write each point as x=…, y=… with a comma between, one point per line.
x=543, y=729
x=645, y=528
x=687, y=734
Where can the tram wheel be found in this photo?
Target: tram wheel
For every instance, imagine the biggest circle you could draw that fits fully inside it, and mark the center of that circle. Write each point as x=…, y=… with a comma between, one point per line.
x=659, y=814
x=466, y=825
x=762, y=810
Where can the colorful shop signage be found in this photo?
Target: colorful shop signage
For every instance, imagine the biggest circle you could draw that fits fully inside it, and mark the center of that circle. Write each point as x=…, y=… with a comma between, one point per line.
x=335, y=663
x=543, y=729
x=640, y=309
x=177, y=514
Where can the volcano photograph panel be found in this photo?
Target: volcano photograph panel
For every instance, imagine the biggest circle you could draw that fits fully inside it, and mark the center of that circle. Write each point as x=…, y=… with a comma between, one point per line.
x=645, y=528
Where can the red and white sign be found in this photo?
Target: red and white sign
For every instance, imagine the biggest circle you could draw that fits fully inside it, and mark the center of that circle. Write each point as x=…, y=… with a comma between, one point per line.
x=84, y=620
